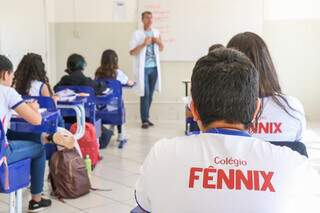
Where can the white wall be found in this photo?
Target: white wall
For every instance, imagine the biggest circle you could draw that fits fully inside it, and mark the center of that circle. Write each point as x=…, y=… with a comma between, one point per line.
x=22, y=28
x=291, y=29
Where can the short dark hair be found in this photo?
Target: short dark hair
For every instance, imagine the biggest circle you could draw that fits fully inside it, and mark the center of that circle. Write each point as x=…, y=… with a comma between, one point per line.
x=75, y=62
x=215, y=46
x=5, y=66
x=145, y=13
x=225, y=87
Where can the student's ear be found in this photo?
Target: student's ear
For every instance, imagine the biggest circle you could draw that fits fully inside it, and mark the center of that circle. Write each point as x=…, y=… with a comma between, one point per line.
x=194, y=111
x=196, y=116
x=258, y=108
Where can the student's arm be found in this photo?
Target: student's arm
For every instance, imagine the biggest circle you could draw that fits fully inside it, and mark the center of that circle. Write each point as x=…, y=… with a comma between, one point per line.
x=29, y=112
x=122, y=77
x=45, y=91
x=137, y=49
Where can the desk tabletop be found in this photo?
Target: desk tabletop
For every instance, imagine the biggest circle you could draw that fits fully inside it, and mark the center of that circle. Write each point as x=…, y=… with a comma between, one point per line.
x=45, y=116
x=78, y=100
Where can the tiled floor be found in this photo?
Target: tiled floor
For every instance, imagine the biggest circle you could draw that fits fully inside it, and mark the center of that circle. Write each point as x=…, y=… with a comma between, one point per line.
x=119, y=170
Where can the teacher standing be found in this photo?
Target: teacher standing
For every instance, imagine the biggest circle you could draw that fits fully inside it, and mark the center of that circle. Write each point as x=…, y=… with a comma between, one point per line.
x=146, y=45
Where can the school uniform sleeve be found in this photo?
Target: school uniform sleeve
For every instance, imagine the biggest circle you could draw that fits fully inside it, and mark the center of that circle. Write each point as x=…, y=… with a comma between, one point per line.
x=135, y=41
x=122, y=77
x=142, y=190
x=300, y=115
x=14, y=99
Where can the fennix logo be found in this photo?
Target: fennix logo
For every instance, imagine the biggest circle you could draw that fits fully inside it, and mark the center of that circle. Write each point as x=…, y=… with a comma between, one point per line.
x=266, y=128
x=232, y=179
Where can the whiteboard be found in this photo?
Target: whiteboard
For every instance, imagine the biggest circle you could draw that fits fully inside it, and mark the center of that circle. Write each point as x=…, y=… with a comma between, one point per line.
x=189, y=27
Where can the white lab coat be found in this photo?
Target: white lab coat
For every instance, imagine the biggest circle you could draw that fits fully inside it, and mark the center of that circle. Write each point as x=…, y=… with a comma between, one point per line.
x=139, y=60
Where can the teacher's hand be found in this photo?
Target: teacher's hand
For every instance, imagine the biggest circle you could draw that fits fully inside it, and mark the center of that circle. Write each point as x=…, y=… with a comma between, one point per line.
x=147, y=41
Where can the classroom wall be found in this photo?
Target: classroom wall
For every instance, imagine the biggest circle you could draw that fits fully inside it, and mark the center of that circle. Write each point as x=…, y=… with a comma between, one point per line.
x=23, y=28
x=288, y=32
x=291, y=32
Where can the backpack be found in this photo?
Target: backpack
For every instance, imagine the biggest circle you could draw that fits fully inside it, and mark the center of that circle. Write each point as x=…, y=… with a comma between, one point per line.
x=88, y=143
x=68, y=174
x=105, y=137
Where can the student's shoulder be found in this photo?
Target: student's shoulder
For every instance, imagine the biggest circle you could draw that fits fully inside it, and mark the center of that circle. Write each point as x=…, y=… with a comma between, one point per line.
x=280, y=153
x=170, y=143
x=294, y=102
x=8, y=91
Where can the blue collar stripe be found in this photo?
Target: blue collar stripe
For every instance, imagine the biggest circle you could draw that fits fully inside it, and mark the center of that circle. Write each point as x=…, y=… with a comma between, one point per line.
x=228, y=132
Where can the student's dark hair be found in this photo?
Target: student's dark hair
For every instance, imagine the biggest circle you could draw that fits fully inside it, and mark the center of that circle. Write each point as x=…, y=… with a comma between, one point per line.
x=75, y=62
x=257, y=50
x=215, y=46
x=109, y=65
x=225, y=87
x=145, y=13
x=5, y=66
x=30, y=68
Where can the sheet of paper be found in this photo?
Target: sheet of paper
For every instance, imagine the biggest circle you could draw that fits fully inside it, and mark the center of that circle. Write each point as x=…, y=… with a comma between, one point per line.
x=119, y=10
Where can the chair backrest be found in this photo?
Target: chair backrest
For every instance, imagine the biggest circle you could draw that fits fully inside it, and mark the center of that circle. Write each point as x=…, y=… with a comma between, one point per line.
x=44, y=102
x=114, y=85
x=295, y=146
x=2, y=141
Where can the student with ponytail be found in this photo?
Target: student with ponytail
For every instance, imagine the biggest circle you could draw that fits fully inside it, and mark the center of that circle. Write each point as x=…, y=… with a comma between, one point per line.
x=281, y=117
x=75, y=67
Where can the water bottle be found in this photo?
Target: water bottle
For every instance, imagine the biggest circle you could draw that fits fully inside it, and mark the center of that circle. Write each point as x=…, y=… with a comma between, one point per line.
x=88, y=164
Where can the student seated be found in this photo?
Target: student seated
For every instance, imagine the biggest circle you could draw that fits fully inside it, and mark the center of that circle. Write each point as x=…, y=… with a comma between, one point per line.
x=75, y=67
x=224, y=169
x=21, y=149
x=193, y=125
x=30, y=79
x=282, y=117
x=109, y=69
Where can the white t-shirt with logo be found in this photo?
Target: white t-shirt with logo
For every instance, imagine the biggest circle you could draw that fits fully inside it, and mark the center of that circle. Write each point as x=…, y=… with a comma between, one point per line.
x=9, y=100
x=275, y=124
x=36, y=88
x=225, y=174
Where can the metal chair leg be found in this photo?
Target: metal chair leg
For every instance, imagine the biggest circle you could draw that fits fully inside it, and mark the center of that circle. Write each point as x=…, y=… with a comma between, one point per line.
x=19, y=201
x=12, y=202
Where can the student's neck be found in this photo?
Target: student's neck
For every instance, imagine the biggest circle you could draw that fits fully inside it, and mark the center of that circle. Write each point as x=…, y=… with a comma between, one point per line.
x=224, y=125
x=3, y=83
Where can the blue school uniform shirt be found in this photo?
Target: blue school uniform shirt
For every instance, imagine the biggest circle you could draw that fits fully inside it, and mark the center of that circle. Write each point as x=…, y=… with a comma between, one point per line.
x=150, y=60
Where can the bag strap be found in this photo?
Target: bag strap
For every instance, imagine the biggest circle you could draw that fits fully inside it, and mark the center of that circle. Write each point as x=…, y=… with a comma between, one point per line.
x=100, y=190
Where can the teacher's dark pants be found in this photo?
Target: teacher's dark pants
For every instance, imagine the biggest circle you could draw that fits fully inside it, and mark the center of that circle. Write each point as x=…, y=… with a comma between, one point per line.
x=150, y=80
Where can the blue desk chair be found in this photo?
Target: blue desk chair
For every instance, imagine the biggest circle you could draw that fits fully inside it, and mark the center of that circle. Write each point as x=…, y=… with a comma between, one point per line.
x=138, y=210
x=48, y=125
x=90, y=106
x=13, y=177
x=110, y=108
x=295, y=146
x=191, y=126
